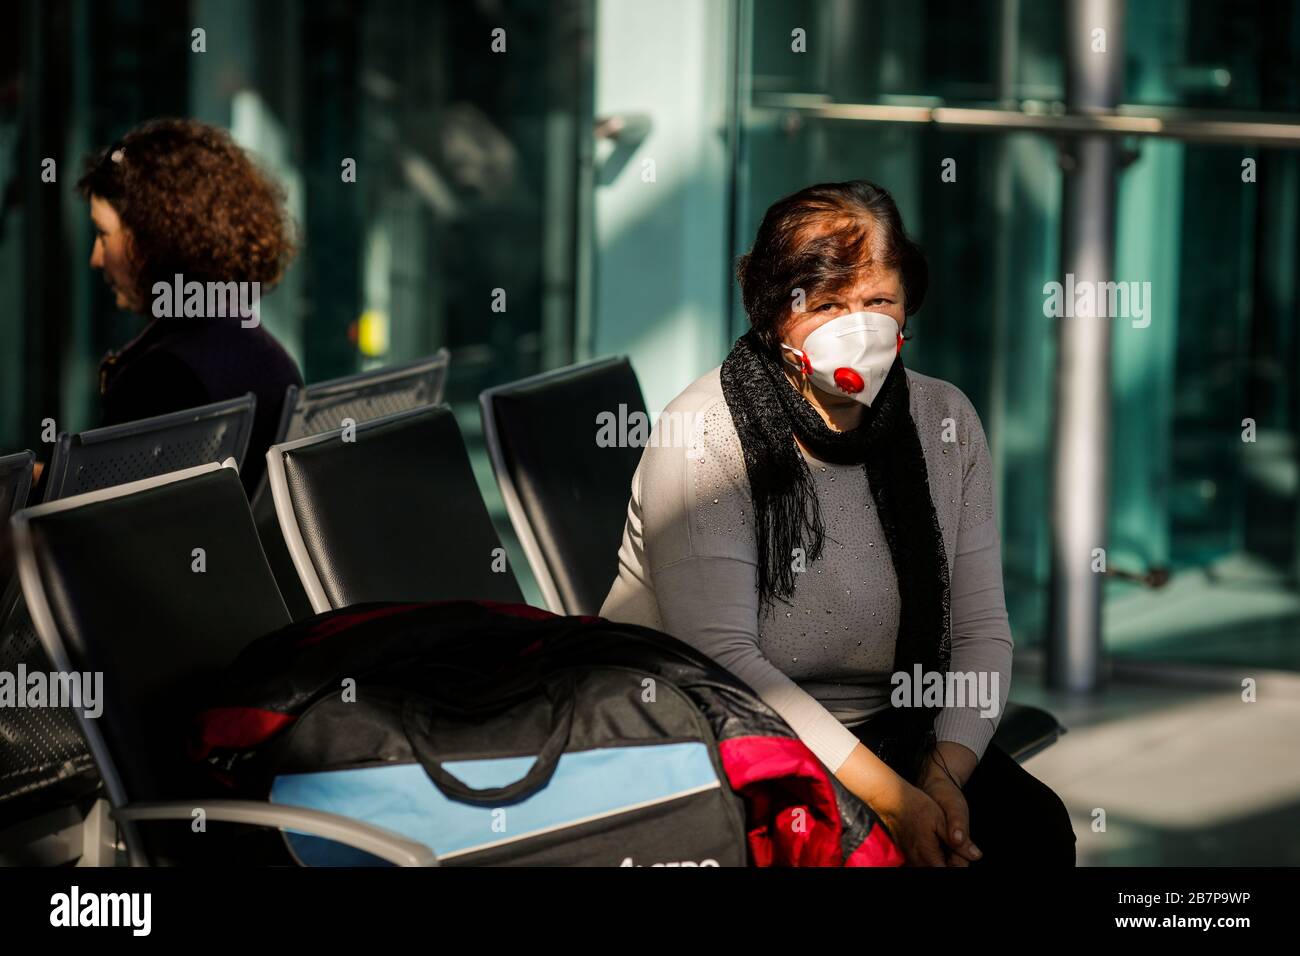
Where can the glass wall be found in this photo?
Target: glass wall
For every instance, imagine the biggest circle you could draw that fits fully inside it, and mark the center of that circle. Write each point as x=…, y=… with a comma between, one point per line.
x=1204, y=529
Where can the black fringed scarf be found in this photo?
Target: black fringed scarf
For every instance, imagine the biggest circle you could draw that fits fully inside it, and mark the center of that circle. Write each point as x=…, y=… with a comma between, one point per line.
x=768, y=413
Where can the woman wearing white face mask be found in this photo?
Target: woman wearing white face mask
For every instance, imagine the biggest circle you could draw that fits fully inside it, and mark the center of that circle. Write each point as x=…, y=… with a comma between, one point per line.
x=829, y=529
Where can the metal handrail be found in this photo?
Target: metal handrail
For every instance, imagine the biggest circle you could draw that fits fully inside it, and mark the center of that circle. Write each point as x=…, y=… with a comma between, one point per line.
x=1206, y=126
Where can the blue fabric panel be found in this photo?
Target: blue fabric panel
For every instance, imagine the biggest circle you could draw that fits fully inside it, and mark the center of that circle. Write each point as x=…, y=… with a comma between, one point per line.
x=589, y=783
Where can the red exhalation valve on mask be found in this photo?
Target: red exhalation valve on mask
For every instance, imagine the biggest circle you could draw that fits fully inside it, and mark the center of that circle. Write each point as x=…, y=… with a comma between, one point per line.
x=849, y=381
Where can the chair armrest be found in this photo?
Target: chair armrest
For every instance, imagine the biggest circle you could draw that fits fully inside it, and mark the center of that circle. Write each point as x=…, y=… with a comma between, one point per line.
x=362, y=836
x=1024, y=731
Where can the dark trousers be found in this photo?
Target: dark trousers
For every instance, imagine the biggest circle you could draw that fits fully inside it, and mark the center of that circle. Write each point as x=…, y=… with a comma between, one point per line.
x=1015, y=818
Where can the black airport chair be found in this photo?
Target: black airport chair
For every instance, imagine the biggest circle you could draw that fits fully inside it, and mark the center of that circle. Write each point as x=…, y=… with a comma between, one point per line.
x=43, y=758
x=111, y=581
x=1024, y=731
x=44, y=763
x=566, y=496
x=103, y=457
x=15, y=481
x=322, y=407
x=390, y=513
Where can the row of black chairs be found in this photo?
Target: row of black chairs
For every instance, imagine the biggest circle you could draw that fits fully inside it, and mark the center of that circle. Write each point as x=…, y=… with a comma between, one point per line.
x=44, y=759
x=104, y=457
x=111, y=584
x=131, y=617
x=388, y=510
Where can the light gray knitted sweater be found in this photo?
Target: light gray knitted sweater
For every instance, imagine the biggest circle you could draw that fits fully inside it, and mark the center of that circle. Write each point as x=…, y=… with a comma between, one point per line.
x=688, y=564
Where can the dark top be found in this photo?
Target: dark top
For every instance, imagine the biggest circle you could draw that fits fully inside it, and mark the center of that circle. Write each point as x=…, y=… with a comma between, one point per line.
x=176, y=364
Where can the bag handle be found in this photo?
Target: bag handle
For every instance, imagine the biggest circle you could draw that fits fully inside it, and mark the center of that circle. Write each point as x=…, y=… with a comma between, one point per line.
x=561, y=691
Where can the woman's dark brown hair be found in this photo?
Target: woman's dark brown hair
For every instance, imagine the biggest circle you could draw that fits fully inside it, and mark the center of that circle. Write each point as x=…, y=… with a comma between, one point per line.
x=195, y=203
x=818, y=240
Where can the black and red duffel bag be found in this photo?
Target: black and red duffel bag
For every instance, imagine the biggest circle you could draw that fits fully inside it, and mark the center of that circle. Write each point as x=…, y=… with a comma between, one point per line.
x=501, y=734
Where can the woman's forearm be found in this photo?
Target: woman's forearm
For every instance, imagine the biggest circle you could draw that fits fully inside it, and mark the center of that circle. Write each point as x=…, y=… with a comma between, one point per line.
x=876, y=784
x=872, y=781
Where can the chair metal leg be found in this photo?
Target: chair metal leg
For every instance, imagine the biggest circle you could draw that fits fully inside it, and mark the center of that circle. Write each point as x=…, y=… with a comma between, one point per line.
x=99, y=837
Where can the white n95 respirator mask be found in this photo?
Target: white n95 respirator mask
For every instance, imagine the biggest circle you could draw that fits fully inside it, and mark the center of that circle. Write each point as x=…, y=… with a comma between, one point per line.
x=850, y=355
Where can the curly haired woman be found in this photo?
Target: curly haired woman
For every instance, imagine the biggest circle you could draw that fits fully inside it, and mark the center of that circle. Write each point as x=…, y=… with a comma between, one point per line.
x=177, y=197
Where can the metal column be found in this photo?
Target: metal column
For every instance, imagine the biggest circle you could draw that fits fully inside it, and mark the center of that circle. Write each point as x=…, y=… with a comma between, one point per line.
x=1081, y=456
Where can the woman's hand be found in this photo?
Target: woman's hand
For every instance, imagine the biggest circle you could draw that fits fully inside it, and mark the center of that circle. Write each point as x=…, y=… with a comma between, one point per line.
x=944, y=768
x=954, y=830
x=917, y=824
